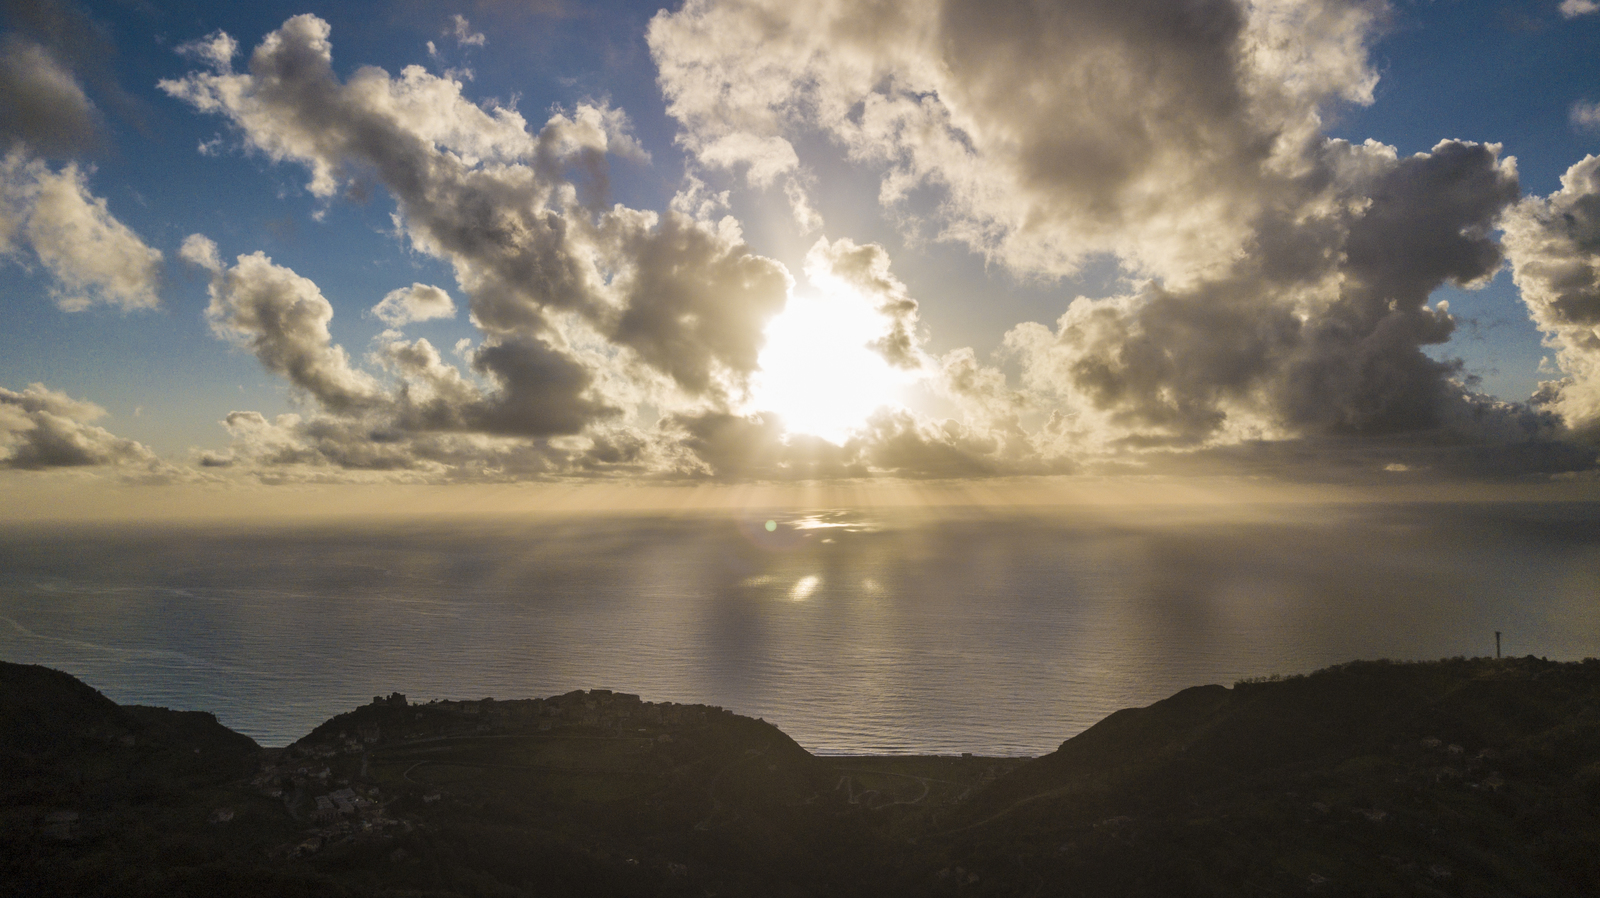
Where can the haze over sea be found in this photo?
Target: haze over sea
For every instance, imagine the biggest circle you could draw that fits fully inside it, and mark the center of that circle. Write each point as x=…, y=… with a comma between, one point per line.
x=855, y=632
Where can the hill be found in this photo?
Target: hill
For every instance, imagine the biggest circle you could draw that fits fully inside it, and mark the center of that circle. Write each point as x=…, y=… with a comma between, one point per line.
x=1460, y=777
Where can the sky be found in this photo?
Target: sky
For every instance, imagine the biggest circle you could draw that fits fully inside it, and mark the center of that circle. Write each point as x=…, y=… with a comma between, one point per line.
x=761, y=242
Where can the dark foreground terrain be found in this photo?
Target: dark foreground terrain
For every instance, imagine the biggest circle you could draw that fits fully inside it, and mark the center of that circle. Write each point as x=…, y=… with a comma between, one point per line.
x=1462, y=777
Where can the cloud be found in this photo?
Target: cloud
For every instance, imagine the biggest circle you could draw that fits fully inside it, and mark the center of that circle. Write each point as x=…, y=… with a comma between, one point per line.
x=42, y=429
x=864, y=270
x=42, y=106
x=418, y=302
x=462, y=31
x=1318, y=330
x=79, y=48
x=543, y=391
x=899, y=443
x=217, y=49
x=1585, y=115
x=729, y=446
x=1052, y=132
x=1283, y=279
x=694, y=298
x=282, y=318
x=201, y=251
x=94, y=258
x=586, y=310
x=519, y=215
x=1573, y=8
x=1554, y=246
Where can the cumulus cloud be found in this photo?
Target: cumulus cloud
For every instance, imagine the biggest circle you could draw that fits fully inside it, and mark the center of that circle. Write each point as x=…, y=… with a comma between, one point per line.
x=42, y=106
x=518, y=214
x=1318, y=330
x=94, y=258
x=1150, y=130
x=864, y=270
x=1554, y=245
x=1285, y=278
x=217, y=49
x=1574, y=8
x=201, y=251
x=694, y=299
x=418, y=302
x=42, y=429
x=282, y=318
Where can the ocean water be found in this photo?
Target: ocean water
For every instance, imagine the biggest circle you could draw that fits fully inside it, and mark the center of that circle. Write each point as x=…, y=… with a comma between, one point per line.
x=855, y=632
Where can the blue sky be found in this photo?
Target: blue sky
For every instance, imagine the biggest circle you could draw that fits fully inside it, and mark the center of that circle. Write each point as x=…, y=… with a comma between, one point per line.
x=1045, y=156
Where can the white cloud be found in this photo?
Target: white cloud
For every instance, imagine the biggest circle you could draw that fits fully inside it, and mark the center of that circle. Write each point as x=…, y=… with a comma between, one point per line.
x=216, y=49
x=864, y=270
x=1554, y=246
x=283, y=319
x=418, y=302
x=201, y=251
x=1585, y=115
x=94, y=258
x=462, y=31
x=1574, y=8
x=1053, y=132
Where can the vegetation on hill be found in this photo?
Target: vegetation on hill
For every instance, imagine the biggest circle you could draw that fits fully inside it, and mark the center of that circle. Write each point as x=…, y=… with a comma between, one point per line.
x=1461, y=777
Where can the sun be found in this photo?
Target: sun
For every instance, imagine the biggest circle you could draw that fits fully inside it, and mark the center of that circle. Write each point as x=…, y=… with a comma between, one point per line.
x=818, y=371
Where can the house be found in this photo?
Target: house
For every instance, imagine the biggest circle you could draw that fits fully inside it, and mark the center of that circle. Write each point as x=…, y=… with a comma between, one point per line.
x=326, y=812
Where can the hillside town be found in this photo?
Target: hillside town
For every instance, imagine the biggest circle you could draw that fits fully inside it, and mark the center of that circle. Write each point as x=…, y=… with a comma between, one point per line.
x=326, y=779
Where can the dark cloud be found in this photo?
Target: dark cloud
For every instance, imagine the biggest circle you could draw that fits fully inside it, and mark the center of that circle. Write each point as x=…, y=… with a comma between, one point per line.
x=42, y=429
x=897, y=443
x=1320, y=330
x=543, y=392
x=42, y=106
x=695, y=301
x=81, y=45
x=753, y=447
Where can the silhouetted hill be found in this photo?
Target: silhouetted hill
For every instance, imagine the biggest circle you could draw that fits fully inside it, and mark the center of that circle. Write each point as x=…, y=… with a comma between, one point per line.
x=1461, y=777
x=1456, y=777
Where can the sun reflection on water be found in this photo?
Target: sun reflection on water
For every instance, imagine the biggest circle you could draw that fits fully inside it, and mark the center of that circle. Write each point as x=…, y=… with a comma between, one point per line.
x=804, y=587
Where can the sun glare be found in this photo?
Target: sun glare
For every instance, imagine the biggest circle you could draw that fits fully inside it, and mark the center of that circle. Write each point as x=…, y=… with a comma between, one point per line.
x=818, y=371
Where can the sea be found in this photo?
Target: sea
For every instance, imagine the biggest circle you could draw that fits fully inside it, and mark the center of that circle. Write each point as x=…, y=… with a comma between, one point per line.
x=904, y=631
